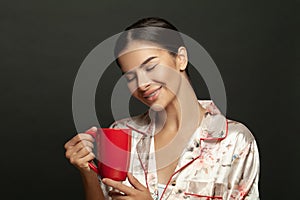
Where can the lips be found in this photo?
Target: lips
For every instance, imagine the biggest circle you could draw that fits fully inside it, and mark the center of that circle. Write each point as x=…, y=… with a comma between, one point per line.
x=152, y=94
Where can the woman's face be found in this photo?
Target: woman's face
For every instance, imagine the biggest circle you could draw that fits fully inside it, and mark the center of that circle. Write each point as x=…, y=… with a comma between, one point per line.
x=153, y=74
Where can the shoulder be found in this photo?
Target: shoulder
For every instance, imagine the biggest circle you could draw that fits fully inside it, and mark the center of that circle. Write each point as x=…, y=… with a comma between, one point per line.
x=240, y=134
x=239, y=128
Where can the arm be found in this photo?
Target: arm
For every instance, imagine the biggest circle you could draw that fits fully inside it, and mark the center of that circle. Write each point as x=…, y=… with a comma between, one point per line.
x=79, y=152
x=91, y=186
x=245, y=174
x=252, y=173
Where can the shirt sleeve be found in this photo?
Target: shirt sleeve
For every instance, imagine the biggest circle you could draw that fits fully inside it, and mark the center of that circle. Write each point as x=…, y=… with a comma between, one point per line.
x=245, y=173
x=251, y=173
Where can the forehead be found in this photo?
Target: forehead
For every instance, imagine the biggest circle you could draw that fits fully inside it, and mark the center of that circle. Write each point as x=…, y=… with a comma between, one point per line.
x=137, y=52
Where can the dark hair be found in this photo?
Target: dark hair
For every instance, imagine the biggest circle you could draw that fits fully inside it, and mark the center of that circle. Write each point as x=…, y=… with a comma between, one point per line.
x=152, y=29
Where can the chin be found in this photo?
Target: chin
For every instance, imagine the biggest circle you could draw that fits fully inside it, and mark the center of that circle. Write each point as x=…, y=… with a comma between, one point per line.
x=157, y=107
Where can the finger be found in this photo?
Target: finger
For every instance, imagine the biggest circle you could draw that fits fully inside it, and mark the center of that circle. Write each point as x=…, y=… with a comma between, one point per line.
x=85, y=160
x=78, y=148
x=88, y=157
x=79, y=137
x=117, y=195
x=73, y=151
x=82, y=162
x=135, y=183
x=88, y=144
x=76, y=139
x=85, y=136
x=120, y=198
x=72, y=142
x=78, y=152
x=118, y=185
x=81, y=144
x=83, y=152
x=93, y=129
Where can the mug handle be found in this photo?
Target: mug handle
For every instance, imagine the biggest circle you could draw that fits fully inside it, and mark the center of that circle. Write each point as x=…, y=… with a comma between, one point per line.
x=91, y=164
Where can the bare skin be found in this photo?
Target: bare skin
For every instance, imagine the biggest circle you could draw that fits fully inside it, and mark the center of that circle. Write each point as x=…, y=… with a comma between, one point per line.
x=151, y=88
x=178, y=101
x=137, y=191
x=163, y=139
x=79, y=153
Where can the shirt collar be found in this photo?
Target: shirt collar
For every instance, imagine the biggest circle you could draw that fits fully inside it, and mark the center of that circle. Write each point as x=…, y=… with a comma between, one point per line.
x=141, y=124
x=213, y=125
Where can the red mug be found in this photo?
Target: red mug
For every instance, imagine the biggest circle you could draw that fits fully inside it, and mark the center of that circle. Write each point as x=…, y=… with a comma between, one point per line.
x=113, y=147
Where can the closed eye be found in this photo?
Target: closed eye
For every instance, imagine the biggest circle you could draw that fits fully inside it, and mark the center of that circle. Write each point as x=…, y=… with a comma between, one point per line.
x=130, y=77
x=150, y=67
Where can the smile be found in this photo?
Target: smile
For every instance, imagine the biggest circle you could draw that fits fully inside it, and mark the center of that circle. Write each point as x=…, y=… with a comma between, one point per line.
x=152, y=95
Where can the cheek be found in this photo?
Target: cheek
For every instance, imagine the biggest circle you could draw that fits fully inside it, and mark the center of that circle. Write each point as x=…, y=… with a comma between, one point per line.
x=168, y=77
x=132, y=87
x=135, y=94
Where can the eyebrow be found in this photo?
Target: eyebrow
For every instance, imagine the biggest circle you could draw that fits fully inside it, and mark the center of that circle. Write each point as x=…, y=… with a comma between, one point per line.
x=148, y=60
x=143, y=63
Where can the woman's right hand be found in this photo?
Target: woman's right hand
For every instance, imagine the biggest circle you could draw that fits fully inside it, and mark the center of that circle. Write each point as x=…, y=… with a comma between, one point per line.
x=79, y=150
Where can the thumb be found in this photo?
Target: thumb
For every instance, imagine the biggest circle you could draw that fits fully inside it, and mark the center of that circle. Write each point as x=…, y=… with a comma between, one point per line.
x=135, y=183
x=92, y=129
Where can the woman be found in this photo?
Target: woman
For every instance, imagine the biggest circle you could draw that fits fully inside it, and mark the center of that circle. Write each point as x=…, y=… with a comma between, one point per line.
x=182, y=148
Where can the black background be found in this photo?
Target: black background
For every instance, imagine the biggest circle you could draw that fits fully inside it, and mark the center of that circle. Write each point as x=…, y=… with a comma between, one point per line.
x=43, y=44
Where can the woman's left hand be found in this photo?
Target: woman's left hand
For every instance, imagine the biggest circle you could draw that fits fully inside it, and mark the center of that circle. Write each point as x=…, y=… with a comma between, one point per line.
x=124, y=192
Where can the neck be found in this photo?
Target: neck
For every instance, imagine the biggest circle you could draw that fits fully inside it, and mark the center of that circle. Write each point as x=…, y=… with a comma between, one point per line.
x=183, y=115
x=176, y=124
x=169, y=119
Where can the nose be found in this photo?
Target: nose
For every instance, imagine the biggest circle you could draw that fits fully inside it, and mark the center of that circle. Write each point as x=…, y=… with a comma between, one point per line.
x=143, y=81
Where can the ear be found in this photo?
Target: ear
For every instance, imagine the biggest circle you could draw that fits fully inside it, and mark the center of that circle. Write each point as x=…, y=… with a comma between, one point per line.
x=182, y=58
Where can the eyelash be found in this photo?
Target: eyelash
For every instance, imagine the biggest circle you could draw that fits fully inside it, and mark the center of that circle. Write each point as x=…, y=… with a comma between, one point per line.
x=151, y=67
x=129, y=79
x=146, y=68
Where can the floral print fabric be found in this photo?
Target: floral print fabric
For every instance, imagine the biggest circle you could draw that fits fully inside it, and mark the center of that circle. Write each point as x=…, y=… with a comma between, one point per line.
x=221, y=160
